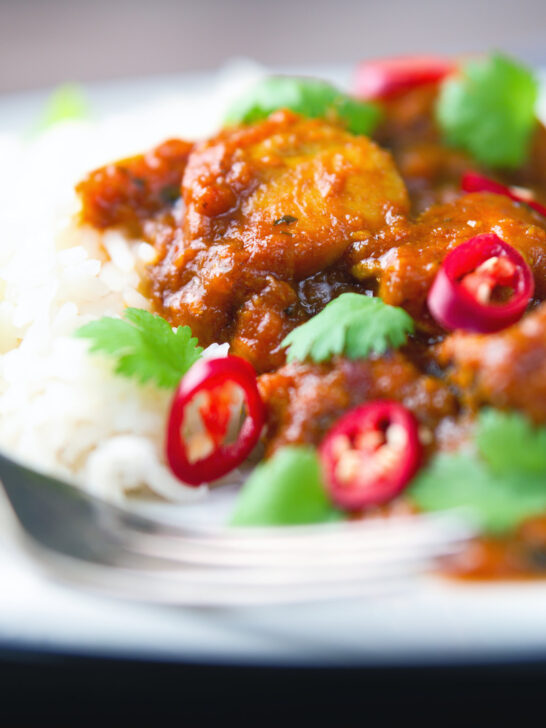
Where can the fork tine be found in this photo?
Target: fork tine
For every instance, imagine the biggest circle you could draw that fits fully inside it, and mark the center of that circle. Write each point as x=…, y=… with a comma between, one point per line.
x=194, y=561
x=207, y=551
x=288, y=536
x=203, y=589
x=83, y=540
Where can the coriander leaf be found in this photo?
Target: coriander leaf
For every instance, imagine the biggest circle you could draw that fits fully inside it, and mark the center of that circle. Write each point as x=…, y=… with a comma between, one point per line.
x=499, y=501
x=145, y=346
x=509, y=442
x=286, y=490
x=352, y=324
x=360, y=117
x=66, y=102
x=306, y=96
x=489, y=110
x=505, y=486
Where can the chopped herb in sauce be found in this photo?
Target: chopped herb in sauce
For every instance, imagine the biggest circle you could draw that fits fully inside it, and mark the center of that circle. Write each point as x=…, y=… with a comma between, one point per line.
x=286, y=220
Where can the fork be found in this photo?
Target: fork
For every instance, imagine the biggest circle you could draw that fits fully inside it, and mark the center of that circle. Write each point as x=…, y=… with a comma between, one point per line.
x=81, y=539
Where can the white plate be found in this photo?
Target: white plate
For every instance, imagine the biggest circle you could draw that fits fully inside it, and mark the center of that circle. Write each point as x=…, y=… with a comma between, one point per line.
x=437, y=621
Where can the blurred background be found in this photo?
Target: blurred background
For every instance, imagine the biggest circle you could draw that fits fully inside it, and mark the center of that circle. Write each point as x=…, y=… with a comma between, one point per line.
x=44, y=42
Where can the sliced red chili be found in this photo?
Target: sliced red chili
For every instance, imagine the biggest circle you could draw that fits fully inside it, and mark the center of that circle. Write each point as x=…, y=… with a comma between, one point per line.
x=474, y=182
x=483, y=286
x=371, y=454
x=386, y=77
x=199, y=454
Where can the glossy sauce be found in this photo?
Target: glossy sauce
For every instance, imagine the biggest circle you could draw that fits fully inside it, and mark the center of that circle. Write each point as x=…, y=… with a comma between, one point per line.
x=259, y=227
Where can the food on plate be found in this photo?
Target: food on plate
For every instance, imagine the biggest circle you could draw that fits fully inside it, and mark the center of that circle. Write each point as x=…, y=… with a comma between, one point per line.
x=269, y=208
x=470, y=288
x=200, y=454
x=371, y=454
x=349, y=288
x=385, y=78
x=504, y=370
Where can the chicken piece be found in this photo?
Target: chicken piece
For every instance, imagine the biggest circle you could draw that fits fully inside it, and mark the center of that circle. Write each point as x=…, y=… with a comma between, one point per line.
x=406, y=258
x=280, y=201
x=264, y=320
x=131, y=191
x=290, y=191
x=304, y=399
x=506, y=370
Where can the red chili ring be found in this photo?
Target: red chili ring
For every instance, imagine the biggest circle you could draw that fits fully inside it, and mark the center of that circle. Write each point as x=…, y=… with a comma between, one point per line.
x=360, y=467
x=387, y=77
x=455, y=307
x=206, y=375
x=474, y=182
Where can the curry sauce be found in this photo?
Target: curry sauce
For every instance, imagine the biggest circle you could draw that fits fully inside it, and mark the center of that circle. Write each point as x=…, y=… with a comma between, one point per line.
x=258, y=228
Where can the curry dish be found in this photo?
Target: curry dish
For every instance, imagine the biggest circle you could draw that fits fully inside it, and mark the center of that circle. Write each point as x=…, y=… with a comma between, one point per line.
x=258, y=228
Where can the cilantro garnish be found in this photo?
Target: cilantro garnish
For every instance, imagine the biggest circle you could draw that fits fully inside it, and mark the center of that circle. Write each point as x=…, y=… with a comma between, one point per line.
x=489, y=110
x=508, y=441
x=145, y=346
x=66, y=102
x=352, y=324
x=306, y=96
x=502, y=483
x=286, y=490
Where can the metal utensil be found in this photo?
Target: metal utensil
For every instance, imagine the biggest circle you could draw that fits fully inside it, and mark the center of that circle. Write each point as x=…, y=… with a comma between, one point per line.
x=82, y=539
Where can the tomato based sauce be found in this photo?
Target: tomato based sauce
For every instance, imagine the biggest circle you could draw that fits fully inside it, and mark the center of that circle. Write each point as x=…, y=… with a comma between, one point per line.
x=490, y=369
x=521, y=556
x=258, y=228
x=132, y=191
x=305, y=399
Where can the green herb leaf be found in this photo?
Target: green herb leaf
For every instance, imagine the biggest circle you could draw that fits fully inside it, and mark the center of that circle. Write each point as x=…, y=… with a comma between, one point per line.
x=499, y=501
x=306, y=96
x=353, y=325
x=286, y=490
x=67, y=102
x=502, y=487
x=489, y=110
x=509, y=442
x=144, y=345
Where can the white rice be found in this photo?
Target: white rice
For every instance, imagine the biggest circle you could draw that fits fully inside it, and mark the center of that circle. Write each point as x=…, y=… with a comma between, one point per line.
x=62, y=410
